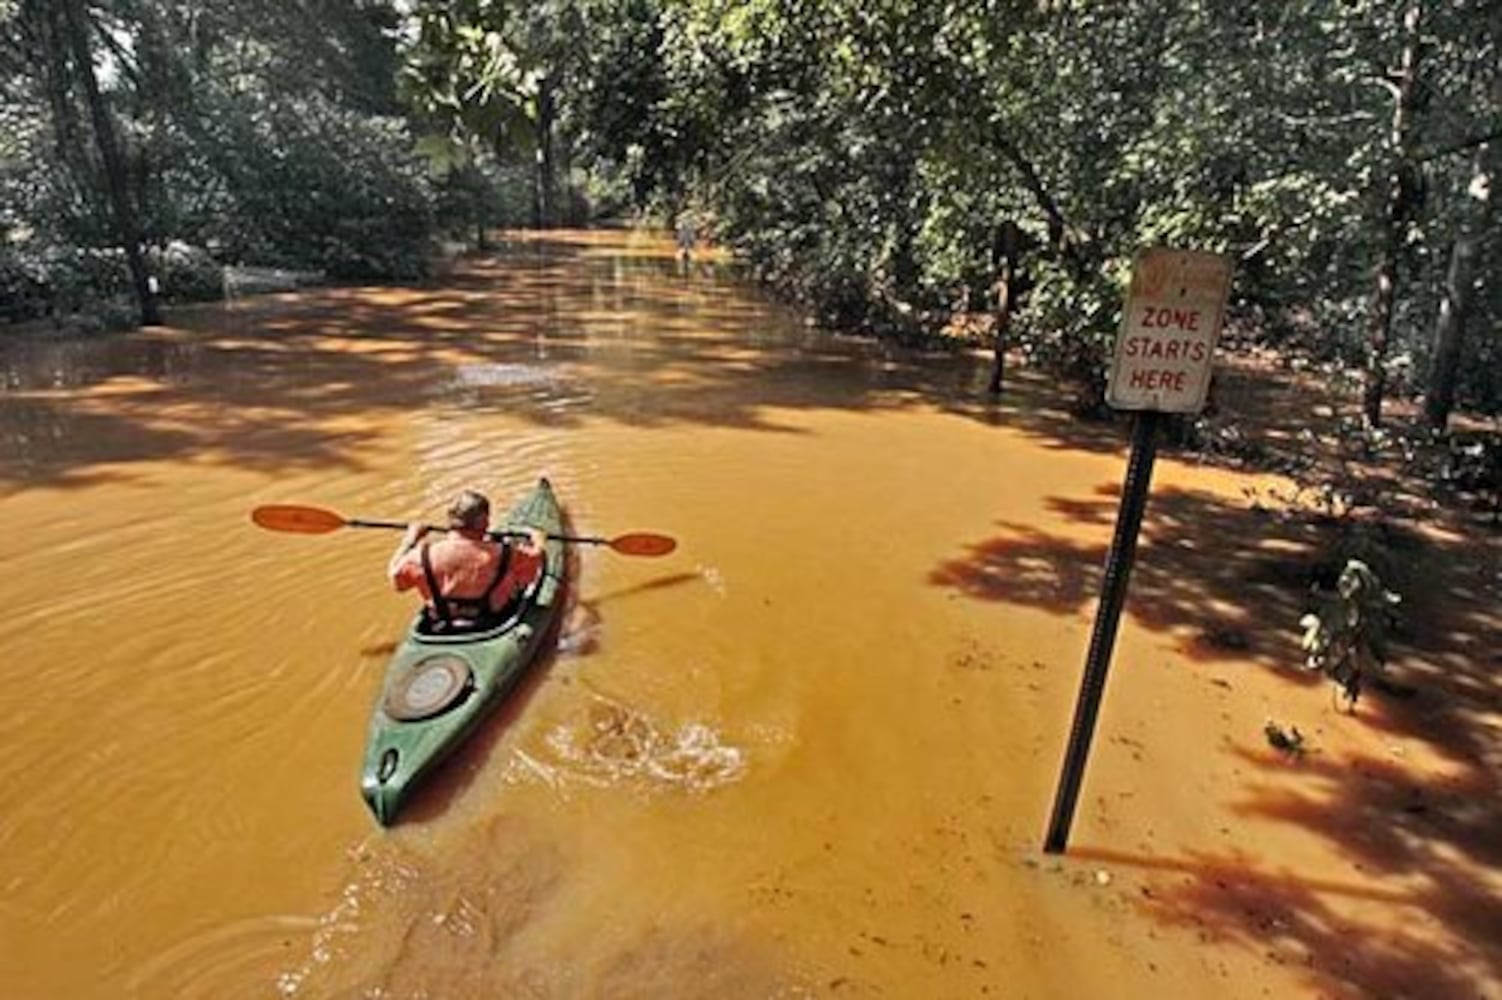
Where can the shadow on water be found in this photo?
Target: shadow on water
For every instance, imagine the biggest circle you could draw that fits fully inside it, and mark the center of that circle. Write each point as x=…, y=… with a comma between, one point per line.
x=1307, y=924
x=1234, y=582
x=656, y=583
x=583, y=627
x=383, y=648
x=1233, y=579
x=554, y=334
x=1432, y=838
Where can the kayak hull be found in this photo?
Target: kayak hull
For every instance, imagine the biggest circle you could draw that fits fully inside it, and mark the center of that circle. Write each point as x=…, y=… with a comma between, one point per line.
x=474, y=673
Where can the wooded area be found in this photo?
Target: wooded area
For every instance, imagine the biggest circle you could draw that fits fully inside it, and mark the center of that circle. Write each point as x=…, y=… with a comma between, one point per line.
x=895, y=166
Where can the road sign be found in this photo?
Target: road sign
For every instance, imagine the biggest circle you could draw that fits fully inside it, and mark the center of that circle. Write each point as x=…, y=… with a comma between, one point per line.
x=1168, y=331
x=1162, y=365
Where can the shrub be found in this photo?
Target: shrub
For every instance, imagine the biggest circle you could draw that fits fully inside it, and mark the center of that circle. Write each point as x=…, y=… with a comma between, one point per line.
x=1346, y=636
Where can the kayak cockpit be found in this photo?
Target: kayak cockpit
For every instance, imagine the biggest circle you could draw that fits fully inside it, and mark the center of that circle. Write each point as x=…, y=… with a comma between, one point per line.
x=427, y=628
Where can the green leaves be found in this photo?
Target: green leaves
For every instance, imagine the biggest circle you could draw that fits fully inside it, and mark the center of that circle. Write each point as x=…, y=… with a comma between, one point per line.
x=861, y=155
x=258, y=129
x=443, y=152
x=1346, y=637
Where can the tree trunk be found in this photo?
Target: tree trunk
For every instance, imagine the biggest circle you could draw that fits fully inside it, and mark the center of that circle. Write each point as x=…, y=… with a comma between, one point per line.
x=1449, y=327
x=53, y=66
x=1449, y=330
x=1004, y=260
x=545, y=214
x=567, y=208
x=1396, y=217
x=476, y=182
x=74, y=20
x=1061, y=236
x=1003, y=325
x=537, y=190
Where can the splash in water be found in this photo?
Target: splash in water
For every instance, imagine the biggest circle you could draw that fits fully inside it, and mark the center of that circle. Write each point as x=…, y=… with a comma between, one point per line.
x=713, y=577
x=616, y=744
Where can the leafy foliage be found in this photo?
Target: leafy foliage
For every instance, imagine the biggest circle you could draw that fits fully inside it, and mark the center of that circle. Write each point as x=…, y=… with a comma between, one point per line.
x=250, y=130
x=1346, y=637
x=862, y=157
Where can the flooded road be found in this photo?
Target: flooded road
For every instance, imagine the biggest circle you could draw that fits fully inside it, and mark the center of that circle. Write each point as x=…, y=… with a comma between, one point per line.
x=810, y=753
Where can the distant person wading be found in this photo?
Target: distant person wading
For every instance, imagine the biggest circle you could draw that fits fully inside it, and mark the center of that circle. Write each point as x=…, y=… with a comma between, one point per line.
x=466, y=580
x=687, y=237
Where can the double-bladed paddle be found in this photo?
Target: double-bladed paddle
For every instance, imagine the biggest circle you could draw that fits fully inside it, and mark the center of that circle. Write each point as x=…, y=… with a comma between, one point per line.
x=317, y=521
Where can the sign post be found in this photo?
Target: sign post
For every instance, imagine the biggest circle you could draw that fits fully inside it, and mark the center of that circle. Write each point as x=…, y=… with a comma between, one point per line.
x=1162, y=365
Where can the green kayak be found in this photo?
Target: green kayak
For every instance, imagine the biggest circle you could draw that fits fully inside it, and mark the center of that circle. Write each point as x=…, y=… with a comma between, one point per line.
x=439, y=687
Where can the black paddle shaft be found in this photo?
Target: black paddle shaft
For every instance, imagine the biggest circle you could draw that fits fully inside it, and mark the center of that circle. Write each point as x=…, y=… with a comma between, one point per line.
x=401, y=526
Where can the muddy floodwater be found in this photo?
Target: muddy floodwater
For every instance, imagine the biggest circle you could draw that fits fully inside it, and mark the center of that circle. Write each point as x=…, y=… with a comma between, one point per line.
x=811, y=753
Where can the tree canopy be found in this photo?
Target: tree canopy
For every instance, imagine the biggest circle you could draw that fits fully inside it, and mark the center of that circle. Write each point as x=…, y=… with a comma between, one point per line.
x=892, y=164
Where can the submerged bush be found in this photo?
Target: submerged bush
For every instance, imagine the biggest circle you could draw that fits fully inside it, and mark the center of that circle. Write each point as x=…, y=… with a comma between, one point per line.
x=1345, y=638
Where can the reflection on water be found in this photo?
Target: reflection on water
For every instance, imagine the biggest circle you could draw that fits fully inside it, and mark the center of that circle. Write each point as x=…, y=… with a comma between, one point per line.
x=472, y=376
x=42, y=363
x=795, y=757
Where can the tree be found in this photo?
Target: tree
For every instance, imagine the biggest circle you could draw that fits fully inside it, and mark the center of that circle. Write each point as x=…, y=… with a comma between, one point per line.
x=477, y=78
x=76, y=28
x=1455, y=303
x=1400, y=203
x=1469, y=156
x=162, y=133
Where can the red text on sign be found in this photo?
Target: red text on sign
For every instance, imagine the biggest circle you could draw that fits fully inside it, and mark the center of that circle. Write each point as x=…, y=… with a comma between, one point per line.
x=1165, y=348
x=1158, y=317
x=1158, y=379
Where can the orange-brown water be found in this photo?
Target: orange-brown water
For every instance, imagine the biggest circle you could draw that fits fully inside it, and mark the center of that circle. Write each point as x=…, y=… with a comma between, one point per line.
x=810, y=753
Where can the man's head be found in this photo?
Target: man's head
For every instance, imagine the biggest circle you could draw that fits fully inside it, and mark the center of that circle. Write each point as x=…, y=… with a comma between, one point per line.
x=470, y=511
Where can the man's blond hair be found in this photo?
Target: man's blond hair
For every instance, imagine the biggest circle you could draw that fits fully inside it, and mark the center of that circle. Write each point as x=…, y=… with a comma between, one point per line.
x=470, y=510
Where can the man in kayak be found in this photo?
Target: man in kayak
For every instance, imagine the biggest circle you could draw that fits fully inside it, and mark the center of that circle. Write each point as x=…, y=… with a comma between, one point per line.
x=466, y=580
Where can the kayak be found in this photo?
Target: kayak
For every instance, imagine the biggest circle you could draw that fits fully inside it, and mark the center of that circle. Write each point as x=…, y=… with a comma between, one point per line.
x=439, y=687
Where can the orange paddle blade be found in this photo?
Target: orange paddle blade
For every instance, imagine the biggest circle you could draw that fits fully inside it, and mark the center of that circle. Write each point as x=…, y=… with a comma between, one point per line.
x=642, y=543
x=304, y=520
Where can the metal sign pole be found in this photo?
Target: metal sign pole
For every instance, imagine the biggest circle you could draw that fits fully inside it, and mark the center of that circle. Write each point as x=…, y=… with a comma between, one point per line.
x=1113, y=595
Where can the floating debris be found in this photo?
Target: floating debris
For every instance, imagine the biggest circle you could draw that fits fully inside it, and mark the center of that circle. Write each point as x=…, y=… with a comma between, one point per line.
x=1289, y=741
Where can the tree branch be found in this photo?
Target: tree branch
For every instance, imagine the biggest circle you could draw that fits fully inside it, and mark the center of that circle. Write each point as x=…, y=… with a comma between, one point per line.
x=1058, y=226
x=124, y=60
x=1462, y=146
x=1392, y=88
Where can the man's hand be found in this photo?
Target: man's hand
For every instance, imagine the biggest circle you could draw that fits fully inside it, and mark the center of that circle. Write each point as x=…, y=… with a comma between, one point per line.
x=413, y=535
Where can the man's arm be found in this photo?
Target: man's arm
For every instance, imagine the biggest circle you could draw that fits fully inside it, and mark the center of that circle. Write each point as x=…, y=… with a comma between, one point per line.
x=403, y=569
x=529, y=555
